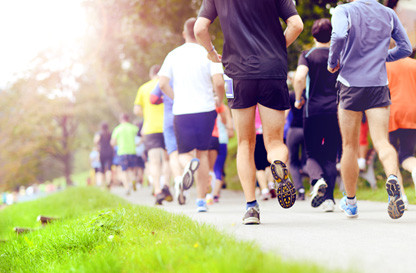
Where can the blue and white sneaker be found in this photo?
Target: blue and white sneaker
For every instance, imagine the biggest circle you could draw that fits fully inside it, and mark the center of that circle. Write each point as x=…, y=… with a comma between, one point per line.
x=350, y=210
x=201, y=205
x=396, y=205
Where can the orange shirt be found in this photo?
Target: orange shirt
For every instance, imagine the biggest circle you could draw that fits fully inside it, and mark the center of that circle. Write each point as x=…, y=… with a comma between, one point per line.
x=402, y=84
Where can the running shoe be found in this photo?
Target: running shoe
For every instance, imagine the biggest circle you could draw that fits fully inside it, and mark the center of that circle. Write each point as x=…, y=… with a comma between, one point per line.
x=188, y=173
x=350, y=210
x=328, y=205
x=252, y=216
x=285, y=189
x=179, y=195
x=396, y=204
x=159, y=198
x=134, y=186
x=216, y=199
x=201, y=205
x=167, y=194
x=318, y=193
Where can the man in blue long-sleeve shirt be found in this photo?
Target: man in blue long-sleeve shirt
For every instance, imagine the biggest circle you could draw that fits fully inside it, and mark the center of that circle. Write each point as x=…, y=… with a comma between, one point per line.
x=359, y=50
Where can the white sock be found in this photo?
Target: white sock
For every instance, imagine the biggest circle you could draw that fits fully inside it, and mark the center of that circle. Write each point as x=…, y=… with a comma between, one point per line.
x=264, y=191
x=352, y=201
x=361, y=163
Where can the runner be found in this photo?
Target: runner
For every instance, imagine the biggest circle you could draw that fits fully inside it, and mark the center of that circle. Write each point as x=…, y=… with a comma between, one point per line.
x=157, y=97
x=321, y=130
x=296, y=144
x=402, y=126
x=359, y=48
x=255, y=58
x=102, y=140
x=123, y=136
x=153, y=136
x=194, y=78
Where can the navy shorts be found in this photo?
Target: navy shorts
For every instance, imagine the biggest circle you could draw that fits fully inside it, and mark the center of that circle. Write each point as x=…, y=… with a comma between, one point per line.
x=139, y=162
x=271, y=93
x=127, y=161
x=214, y=144
x=194, y=131
x=363, y=98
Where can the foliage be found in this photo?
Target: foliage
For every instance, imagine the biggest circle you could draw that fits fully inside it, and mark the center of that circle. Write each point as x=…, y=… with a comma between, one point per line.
x=96, y=234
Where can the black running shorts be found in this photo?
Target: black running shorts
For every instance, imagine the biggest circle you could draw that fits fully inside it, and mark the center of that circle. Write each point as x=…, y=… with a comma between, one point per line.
x=363, y=98
x=153, y=141
x=271, y=93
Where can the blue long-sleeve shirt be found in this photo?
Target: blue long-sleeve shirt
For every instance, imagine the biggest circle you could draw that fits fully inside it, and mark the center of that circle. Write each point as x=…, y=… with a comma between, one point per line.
x=360, y=39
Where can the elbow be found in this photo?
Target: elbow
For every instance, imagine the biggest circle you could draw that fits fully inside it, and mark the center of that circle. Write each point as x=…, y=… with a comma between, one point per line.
x=299, y=27
x=198, y=29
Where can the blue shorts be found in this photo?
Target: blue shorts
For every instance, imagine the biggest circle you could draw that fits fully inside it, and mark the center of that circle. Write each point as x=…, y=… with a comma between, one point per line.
x=170, y=139
x=128, y=161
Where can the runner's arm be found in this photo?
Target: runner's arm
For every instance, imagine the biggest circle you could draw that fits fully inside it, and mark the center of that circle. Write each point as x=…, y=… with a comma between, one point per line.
x=219, y=87
x=165, y=86
x=299, y=84
x=201, y=30
x=293, y=29
x=403, y=46
x=339, y=36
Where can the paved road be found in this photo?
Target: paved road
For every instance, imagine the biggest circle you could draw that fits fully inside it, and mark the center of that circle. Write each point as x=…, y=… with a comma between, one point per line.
x=371, y=243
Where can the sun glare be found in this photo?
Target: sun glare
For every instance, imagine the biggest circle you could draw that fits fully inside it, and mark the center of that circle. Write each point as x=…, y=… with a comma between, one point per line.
x=30, y=26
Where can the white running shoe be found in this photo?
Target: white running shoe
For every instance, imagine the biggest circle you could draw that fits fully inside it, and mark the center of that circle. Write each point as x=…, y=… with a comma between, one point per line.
x=328, y=205
x=318, y=193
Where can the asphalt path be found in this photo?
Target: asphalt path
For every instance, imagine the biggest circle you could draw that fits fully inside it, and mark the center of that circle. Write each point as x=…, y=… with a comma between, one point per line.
x=371, y=243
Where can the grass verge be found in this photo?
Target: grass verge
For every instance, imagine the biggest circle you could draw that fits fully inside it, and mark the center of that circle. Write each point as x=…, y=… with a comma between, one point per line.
x=99, y=232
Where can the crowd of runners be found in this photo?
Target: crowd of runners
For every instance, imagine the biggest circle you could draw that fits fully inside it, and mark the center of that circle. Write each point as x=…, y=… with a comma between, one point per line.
x=341, y=87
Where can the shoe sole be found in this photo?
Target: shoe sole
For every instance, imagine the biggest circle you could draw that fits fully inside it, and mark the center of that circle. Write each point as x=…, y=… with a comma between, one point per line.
x=319, y=198
x=188, y=178
x=202, y=210
x=285, y=189
x=251, y=221
x=396, y=204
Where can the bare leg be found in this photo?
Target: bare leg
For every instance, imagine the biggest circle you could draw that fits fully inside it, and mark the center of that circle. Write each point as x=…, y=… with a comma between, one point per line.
x=175, y=166
x=202, y=174
x=273, y=122
x=155, y=167
x=246, y=138
x=378, y=122
x=262, y=179
x=349, y=122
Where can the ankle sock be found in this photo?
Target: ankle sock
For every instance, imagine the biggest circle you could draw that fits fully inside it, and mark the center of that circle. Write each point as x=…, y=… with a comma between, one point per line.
x=351, y=200
x=251, y=204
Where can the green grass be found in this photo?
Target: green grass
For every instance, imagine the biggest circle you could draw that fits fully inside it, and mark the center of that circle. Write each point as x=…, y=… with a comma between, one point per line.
x=99, y=232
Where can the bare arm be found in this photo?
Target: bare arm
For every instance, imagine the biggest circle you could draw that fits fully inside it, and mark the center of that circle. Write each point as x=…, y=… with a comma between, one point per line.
x=137, y=110
x=165, y=86
x=113, y=142
x=293, y=29
x=219, y=87
x=299, y=84
x=201, y=30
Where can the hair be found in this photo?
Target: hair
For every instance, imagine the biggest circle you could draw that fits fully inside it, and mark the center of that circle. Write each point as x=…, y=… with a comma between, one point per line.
x=391, y=3
x=104, y=127
x=321, y=30
x=154, y=70
x=413, y=55
x=188, y=27
x=124, y=117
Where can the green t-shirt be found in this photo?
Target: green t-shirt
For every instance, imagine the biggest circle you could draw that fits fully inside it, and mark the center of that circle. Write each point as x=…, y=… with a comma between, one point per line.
x=125, y=134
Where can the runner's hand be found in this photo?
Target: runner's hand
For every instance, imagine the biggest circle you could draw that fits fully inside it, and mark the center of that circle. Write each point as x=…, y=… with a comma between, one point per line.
x=214, y=56
x=299, y=104
x=333, y=70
